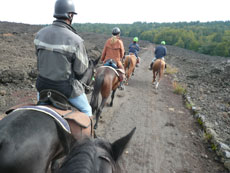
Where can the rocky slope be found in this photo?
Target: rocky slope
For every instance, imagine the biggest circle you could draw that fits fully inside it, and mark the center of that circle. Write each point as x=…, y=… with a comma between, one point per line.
x=207, y=82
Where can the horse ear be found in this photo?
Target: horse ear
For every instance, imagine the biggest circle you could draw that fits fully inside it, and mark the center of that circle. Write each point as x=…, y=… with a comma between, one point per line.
x=95, y=62
x=119, y=145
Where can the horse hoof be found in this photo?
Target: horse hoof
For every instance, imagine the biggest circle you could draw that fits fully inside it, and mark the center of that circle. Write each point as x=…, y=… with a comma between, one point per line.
x=157, y=85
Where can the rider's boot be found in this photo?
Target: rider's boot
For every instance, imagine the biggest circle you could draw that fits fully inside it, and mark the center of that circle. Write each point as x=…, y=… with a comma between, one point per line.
x=138, y=61
x=121, y=79
x=122, y=86
x=151, y=66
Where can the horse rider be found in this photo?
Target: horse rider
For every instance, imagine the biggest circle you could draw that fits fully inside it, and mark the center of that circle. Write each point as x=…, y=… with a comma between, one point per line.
x=62, y=58
x=160, y=53
x=134, y=49
x=114, y=49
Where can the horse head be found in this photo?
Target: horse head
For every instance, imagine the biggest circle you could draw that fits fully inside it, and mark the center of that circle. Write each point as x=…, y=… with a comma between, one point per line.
x=88, y=78
x=95, y=155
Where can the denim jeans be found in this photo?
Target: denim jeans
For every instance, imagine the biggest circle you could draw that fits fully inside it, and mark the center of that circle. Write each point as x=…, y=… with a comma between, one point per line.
x=80, y=102
x=154, y=59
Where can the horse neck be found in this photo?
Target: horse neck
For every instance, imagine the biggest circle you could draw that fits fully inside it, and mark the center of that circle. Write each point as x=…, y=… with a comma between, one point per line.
x=85, y=157
x=80, y=159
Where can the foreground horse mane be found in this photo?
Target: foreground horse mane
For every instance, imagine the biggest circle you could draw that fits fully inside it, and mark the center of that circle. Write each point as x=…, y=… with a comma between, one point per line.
x=82, y=155
x=95, y=155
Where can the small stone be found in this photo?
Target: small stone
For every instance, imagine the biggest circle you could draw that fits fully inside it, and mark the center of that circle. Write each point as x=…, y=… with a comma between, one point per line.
x=2, y=92
x=172, y=109
x=204, y=156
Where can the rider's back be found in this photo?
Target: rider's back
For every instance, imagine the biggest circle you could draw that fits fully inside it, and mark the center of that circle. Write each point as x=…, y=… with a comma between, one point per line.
x=113, y=49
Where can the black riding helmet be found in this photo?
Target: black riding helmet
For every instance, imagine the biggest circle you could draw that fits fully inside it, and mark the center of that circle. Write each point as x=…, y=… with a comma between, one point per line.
x=116, y=31
x=62, y=8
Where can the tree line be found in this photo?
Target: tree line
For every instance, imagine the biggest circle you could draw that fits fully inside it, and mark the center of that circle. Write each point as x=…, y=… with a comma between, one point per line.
x=212, y=38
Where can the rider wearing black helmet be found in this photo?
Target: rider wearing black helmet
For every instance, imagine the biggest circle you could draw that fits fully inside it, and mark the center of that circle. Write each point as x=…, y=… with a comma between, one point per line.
x=62, y=58
x=63, y=8
x=116, y=31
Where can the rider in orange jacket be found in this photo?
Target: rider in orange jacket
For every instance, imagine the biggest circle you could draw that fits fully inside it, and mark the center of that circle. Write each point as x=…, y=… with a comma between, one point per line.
x=114, y=49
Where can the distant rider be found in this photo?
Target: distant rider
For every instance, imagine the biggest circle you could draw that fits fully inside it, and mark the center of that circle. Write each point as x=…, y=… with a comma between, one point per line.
x=62, y=58
x=160, y=53
x=134, y=49
x=114, y=49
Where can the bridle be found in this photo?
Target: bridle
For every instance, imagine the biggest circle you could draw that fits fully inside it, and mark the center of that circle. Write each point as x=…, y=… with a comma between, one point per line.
x=87, y=87
x=101, y=154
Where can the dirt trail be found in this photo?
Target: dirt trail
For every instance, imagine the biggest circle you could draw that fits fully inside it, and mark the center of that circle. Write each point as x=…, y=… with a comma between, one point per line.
x=167, y=139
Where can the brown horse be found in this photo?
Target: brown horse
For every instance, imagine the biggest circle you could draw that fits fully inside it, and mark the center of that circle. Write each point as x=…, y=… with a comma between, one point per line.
x=129, y=66
x=106, y=80
x=158, y=69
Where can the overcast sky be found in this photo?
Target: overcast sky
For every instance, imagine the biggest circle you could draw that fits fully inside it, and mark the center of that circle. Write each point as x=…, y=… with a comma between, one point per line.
x=118, y=11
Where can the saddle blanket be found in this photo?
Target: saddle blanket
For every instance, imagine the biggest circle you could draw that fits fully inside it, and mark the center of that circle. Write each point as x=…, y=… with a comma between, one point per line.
x=110, y=68
x=64, y=124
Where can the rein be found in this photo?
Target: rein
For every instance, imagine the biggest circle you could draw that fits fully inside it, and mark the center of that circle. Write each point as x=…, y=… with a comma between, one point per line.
x=89, y=88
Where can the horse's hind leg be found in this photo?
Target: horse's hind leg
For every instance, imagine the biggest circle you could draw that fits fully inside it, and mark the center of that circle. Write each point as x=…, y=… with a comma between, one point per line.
x=159, y=78
x=99, y=112
x=154, y=77
x=94, y=102
x=112, y=97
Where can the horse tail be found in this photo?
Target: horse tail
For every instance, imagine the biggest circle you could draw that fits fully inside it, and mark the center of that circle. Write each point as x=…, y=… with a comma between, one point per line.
x=129, y=62
x=159, y=68
x=95, y=95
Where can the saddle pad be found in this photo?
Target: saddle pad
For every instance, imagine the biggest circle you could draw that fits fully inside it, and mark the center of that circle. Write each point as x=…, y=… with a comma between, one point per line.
x=64, y=124
x=78, y=117
x=110, y=68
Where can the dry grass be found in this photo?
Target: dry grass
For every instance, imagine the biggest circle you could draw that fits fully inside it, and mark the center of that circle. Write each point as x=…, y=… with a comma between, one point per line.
x=170, y=70
x=179, y=89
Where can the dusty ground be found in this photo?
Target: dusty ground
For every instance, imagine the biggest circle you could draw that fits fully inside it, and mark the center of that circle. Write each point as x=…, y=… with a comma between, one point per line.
x=168, y=139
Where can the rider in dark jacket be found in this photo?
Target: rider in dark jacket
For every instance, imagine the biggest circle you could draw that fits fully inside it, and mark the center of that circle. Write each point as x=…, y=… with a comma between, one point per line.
x=62, y=58
x=160, y=53
x=134, y=48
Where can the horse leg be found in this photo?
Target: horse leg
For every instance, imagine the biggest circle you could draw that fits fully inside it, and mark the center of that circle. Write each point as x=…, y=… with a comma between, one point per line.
x=112, y=97
x=154, y=77
x=99, y=112
x=94, y=102
x=133, y=72
x=160, y=76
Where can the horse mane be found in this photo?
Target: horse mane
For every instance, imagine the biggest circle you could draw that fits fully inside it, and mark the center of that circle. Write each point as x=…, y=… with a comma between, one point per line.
x=83, y=154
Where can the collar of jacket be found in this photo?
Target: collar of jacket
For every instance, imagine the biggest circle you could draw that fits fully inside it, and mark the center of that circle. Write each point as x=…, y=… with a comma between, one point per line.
x=62, y=23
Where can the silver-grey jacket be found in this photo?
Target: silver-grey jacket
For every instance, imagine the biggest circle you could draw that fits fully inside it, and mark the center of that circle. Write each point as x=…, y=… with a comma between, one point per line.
x=61, y=55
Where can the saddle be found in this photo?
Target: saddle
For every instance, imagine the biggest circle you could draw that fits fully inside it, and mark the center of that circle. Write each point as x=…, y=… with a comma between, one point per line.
x=80, y=124
x=120, y=72
x=111, y=63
